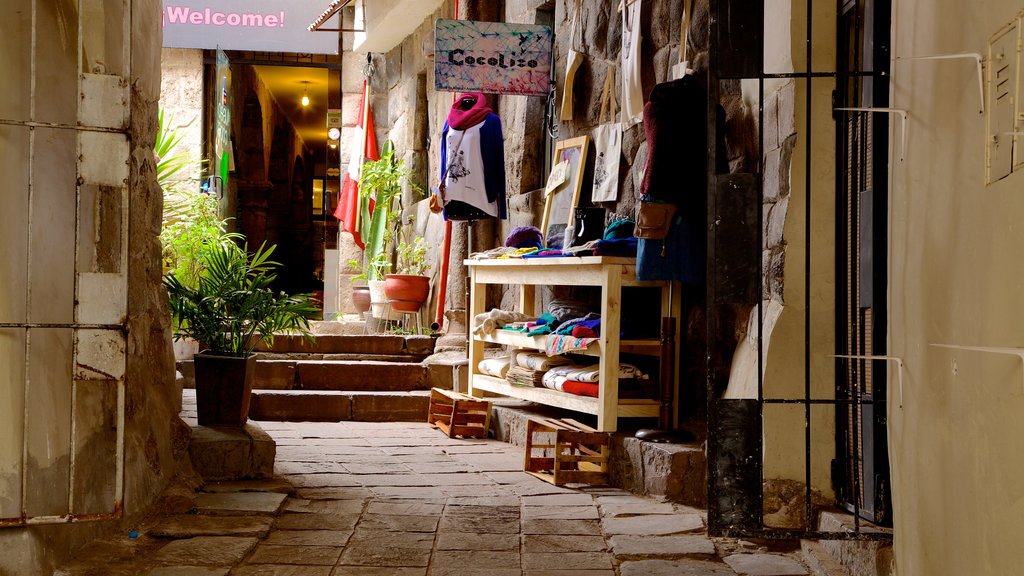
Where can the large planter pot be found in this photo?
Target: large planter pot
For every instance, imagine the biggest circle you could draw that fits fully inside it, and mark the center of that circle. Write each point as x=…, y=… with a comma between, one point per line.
x=406, y=291
x=223, y=388
x=361, y=299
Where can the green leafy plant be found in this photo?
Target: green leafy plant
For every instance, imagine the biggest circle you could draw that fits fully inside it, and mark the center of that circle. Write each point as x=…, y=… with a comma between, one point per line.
x=374, y=269
x=192, y=225
x=382, y=181
x=412, y=257
x=232, y=307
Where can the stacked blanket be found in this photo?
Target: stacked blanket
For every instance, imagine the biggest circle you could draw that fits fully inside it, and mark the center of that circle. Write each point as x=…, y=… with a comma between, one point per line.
x=583, y=380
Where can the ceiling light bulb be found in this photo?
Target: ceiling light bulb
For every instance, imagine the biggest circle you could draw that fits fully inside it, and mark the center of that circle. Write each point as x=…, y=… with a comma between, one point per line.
x=305, y=100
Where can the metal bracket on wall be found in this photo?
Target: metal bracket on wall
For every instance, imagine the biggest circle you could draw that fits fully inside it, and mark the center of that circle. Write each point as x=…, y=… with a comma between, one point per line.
x=897, y=111
x=1018, y=352
x=978, y=58
x=898, y=361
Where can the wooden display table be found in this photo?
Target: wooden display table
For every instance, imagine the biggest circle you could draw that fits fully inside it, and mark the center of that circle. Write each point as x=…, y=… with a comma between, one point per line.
x=611, y=274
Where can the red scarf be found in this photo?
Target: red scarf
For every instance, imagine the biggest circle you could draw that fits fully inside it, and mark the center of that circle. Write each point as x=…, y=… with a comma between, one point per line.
x=469, y=110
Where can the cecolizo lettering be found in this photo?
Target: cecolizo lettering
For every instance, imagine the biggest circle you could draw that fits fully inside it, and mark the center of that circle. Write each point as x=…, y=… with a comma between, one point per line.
x=208, y=17
x=458, y=57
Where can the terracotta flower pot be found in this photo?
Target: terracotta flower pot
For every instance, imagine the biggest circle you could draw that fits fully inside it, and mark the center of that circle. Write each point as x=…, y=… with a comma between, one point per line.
x=361, y=298
x=406, y=291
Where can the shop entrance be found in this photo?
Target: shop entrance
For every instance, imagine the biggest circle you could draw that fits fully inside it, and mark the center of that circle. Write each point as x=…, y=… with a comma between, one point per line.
x=281, y=185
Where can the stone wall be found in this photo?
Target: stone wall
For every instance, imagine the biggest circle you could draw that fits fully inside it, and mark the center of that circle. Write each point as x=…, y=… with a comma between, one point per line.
x=181, y=98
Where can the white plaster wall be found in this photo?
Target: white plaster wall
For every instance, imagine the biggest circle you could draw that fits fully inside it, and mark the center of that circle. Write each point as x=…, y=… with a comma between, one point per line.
x=181, y=97
x=955, y=277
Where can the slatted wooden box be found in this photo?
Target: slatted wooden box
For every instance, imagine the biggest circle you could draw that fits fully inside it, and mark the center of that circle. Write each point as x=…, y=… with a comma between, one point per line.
x=458, y=414
x=566, y=452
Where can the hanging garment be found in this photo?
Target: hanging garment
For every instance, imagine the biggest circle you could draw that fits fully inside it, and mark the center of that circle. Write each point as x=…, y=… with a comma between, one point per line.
x=572, y=63
x=473, y=161
x=607, y=146
x=675, y=123
x=632, y=86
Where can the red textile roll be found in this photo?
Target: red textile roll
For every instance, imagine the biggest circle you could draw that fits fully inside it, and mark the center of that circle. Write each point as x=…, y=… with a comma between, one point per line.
x=580, y=388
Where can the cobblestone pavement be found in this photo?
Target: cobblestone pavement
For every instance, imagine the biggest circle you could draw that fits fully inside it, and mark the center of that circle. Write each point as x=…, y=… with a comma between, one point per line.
x=401, y=499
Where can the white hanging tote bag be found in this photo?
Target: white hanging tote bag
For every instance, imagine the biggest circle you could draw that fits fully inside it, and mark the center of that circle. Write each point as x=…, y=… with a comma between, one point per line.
x=572, y=62
x=632, y=87
x=607, y=145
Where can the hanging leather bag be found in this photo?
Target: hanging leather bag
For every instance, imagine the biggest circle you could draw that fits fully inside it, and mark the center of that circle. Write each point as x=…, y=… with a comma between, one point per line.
x=653, y=220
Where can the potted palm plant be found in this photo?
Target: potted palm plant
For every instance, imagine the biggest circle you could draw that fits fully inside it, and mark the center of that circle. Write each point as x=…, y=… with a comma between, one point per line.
x=410, y=287
x=230, y=309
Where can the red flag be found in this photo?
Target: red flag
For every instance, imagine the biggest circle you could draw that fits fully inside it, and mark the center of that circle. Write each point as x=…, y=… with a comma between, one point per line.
x=364, y=147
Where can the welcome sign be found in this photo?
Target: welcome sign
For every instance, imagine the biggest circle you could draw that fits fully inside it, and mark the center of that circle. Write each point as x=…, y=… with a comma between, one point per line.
x=492, y=57
x=258, y=25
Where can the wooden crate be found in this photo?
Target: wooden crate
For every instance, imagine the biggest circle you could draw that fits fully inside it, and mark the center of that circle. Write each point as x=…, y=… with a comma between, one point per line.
x=577, y=455
x=458, y=414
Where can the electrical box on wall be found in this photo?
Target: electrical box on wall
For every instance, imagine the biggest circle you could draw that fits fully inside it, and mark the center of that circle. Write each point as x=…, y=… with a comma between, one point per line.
x=1004, y=115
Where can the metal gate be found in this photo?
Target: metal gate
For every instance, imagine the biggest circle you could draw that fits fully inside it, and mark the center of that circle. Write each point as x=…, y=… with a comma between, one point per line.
x=64, y=153
x=848, y=397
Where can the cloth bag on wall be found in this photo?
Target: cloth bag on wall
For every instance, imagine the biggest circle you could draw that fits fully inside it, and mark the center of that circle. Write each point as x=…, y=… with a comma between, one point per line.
x=572, y=62
x=632, y=85
x=607, y=146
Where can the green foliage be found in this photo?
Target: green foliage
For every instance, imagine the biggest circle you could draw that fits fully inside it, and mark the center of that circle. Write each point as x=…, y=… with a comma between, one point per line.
x=192, y=225
x=412, y=257
x=232, y=307
x=187, y=240
x=381, y=180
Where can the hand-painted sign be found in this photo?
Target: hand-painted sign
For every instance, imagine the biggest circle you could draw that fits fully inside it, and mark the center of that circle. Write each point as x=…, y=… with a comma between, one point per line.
x=259, y=25
x=492, y=57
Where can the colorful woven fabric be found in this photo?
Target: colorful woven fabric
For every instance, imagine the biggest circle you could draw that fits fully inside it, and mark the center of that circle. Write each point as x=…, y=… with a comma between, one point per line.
x=563, y=344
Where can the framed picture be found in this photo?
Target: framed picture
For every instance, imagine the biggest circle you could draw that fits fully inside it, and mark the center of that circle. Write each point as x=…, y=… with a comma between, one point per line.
x=563, y=193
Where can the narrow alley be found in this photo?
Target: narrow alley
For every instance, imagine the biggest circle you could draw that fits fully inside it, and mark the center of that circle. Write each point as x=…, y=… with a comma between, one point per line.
x=397, y=499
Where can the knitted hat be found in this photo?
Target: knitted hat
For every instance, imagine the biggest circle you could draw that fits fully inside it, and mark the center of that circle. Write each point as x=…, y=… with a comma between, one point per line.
x=525, y=237
x=620, y=229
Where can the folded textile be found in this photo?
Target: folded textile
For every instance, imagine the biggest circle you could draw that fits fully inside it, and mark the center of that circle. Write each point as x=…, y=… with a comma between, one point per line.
x=558, y=344
x=492, y=253
x=545, y=325
x=519, y=253
x=592, y=373
x=496, y=367
x=536, y=360
x=544, y=254
x=563, y=309
x=585, y=249
x=567, y=326
x=617, y=247
x=519, y=376
x=488, y=322
x=523, y=236
x=581, y=331
x=517, y=327
x=580, y=388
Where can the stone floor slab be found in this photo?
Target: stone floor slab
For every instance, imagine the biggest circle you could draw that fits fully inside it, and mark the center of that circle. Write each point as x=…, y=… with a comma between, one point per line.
x=571, y=499
x=205, y=551
x=479, y=525
x=471, y=541
x=237, y=503
x=383, y=556
x=417, y=540
x=546, y=526
x=569, y=573
x=560, y=512
x=316, y=522
x=191, y=525
x=457, y=563
x=406, y=507
x=324, y=506
x=653, y=525
x=277, y=485
x=301, y=555
x=188, y=571
x=674, y=568
x=632, y=505
x=533, y=543
x=371, y=571
x=765, y=565
x=655, y=546
x=309, y=537
x=394, y=523
x=281, y=570
x=574, y=560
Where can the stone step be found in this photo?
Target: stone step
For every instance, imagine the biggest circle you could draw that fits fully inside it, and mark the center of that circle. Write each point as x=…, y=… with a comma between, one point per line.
x=337, y=406
x=361, y=375
x=676, y=472
x=380, y=344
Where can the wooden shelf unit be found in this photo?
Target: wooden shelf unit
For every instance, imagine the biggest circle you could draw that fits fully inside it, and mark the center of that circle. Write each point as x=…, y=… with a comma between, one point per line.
x=611, y=274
